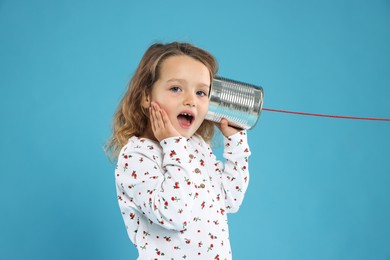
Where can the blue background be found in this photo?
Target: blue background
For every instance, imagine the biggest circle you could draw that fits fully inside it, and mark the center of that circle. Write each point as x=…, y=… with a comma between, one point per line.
x=320, y=187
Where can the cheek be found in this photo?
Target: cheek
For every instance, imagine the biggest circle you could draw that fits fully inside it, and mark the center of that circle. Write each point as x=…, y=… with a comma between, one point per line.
x=166, y=106
x=206, y=106
x=204, y=109
x=158, y=99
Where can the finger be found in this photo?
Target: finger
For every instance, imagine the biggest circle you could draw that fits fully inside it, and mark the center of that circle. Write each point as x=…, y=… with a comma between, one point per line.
x=159, y=122
x=165, y=118
x=156, y=118
x=152, y=119
x=223, y=124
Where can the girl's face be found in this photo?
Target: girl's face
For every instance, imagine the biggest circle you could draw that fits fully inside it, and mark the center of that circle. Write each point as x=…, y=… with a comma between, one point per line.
x=182, y=91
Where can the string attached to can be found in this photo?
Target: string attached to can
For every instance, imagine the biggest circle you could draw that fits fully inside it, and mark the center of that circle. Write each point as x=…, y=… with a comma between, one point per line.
x=241, y=104
x=326, y=115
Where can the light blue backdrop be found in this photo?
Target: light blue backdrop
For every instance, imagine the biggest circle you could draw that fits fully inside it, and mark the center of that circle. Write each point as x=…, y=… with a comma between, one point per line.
x=320, y=188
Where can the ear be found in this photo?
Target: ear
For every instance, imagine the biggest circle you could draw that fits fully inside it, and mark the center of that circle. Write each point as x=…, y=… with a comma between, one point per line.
x=145, y=102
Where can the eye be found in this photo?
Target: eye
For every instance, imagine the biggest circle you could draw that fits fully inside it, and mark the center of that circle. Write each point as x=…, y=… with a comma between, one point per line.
x=175, y=89
x=201, y=93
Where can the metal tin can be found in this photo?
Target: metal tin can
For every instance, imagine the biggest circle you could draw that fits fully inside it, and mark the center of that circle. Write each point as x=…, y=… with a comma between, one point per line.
x=240, y=103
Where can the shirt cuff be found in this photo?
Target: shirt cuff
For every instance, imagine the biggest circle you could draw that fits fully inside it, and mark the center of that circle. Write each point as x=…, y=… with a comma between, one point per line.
x=237, y=143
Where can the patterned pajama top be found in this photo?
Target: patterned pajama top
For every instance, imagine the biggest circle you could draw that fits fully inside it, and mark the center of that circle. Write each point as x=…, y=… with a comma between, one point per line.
x=174, y=196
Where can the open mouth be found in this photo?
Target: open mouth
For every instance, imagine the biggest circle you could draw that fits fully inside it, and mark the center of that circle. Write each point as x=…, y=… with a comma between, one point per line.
x=185, y=119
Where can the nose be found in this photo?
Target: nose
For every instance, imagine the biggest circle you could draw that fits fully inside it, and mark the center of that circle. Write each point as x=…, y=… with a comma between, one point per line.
x=190, y=100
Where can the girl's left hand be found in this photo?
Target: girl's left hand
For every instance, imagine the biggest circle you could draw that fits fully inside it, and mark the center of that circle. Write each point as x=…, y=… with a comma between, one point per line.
x=227, y=130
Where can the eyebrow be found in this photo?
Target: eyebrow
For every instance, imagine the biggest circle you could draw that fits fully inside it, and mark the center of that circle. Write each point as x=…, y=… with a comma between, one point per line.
x=182, y=81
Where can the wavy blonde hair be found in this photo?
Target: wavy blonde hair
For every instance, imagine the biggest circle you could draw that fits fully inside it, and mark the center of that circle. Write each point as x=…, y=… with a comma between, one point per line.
x=130, y=118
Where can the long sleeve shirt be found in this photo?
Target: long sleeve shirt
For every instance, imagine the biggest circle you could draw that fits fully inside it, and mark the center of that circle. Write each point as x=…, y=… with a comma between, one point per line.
x=174, y=195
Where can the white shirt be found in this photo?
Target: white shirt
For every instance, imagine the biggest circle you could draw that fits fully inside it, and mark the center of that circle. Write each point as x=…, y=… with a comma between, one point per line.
x=174, y=197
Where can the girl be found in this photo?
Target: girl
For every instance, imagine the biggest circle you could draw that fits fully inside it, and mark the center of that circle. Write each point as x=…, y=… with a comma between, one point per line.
x=173, y=193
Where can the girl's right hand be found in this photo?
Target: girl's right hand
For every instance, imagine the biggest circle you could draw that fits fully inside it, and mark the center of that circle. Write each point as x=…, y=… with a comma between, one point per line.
x=161, y=125
x=227, y=130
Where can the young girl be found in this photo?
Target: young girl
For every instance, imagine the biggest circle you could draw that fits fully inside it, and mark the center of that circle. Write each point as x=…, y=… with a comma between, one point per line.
x=173, y=193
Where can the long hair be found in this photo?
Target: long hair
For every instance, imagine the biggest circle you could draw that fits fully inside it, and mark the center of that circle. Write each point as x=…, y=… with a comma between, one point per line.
x=130, y=118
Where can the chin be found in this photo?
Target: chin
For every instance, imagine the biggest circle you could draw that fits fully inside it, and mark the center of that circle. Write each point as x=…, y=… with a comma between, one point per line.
x=187, y=133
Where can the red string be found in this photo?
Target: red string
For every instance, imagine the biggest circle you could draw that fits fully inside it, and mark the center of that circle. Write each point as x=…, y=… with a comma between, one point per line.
x=324, y=115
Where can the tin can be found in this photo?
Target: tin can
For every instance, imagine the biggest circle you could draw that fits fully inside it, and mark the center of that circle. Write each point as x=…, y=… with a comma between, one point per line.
x=240, y=103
